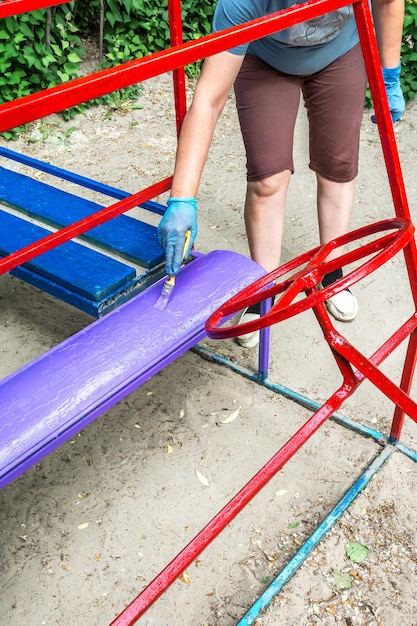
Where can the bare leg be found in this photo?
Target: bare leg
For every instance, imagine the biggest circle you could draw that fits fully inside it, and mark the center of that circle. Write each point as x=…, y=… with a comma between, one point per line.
x=264, y=218
x=265, y=214
x=334, y=206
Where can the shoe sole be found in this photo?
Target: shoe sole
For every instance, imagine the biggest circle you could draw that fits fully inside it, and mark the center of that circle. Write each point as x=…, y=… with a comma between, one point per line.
x=340, y=315
x=250, y=340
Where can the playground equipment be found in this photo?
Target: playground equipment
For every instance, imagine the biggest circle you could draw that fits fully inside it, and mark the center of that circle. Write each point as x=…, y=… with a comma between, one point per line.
x=104, y=362
x=95, y=368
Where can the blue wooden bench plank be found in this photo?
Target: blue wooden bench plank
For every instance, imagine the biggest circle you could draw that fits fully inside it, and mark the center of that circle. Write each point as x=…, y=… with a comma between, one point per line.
x=128, y=237
x=91, y=307
x=77, y=179
x=75, y=267
x=49, y=400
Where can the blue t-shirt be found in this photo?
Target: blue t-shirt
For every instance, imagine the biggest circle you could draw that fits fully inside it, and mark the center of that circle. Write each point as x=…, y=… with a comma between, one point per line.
x=302, y=49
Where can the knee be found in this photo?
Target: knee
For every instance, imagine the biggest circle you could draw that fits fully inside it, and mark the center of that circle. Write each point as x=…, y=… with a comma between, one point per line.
x=270, y=185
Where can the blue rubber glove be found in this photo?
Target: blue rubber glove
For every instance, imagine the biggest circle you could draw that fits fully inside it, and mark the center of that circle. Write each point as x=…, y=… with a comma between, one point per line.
x=395, y=96
x=180, y=216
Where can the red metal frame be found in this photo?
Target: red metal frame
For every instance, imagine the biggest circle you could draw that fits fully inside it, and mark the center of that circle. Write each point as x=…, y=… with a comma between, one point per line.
x=307, y=280
x=313, y=267
x=344, y=353
x=400, y=238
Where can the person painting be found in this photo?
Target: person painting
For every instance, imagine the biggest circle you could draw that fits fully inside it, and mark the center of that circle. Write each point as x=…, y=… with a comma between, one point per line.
x=320, y=59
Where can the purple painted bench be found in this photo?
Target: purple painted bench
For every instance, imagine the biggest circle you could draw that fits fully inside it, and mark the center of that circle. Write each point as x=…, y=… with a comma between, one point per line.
x=50, y=399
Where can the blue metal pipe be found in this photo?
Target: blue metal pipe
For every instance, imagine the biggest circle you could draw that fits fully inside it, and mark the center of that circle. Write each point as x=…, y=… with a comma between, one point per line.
x=401, y=447
x=275, y=587
x=304, y=401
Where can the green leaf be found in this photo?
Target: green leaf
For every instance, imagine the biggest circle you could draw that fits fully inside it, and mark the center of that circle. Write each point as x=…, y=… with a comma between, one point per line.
x=16, y=77
x=356, y=551
x=110, y=18
x=11, y=24
x=63, y=76
x=71, y=68
x=74, y=58
x=26, y=31
x=56, y=49
x=48, y=59
x=343, y=579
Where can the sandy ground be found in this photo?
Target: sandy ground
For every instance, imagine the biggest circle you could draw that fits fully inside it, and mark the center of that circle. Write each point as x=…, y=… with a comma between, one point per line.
x=84, y=531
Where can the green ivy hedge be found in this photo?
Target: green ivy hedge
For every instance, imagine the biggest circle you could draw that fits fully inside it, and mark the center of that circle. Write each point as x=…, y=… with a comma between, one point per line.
x=45, y=48
x=38, y=50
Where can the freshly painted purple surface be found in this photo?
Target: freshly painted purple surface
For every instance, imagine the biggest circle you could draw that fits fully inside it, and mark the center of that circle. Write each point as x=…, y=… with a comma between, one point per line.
x=53, y=397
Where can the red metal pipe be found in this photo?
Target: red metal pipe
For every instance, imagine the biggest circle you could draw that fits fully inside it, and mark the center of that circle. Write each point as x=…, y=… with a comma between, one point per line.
x=171, y=572
x=368, y=369
x=382, y=112
x=313, y=267
x=15, y=7
x=74, y=92
x=405, y=384
x=77, y=228
x=176, y=34
x=386, y=130
x=396, y=181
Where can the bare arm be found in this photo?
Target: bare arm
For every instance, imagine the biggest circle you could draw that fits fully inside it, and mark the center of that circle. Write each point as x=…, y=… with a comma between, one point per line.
x=388, y=20
x=213, y=88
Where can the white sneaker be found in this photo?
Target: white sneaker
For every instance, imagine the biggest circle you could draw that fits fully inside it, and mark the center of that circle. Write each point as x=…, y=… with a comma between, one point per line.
x=343, y=306
x=250, y=340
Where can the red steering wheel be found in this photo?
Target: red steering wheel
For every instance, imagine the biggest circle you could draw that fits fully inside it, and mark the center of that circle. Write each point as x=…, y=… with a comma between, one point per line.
x=313, y=267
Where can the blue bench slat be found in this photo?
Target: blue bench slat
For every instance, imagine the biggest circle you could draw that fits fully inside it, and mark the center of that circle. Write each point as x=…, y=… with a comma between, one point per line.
x=123, y=235
x=49, y=400
x=71, y=265
x=91, y=307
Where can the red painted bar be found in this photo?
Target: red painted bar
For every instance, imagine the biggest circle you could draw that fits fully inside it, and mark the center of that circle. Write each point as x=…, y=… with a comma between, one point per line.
x=313, y=267
x=405, y=384
x=171, y=572
x=370, y=372
x=176, y=33
x=16, y=7
x=74, y=92
x=395, y=176
x=67, y=233
x=377, y=88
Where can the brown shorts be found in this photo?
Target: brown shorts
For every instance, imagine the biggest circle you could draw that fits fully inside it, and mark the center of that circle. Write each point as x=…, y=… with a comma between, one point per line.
x=267, y=102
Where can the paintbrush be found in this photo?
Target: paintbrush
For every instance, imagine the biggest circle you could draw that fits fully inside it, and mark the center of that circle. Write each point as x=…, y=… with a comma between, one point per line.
x=169, y=284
